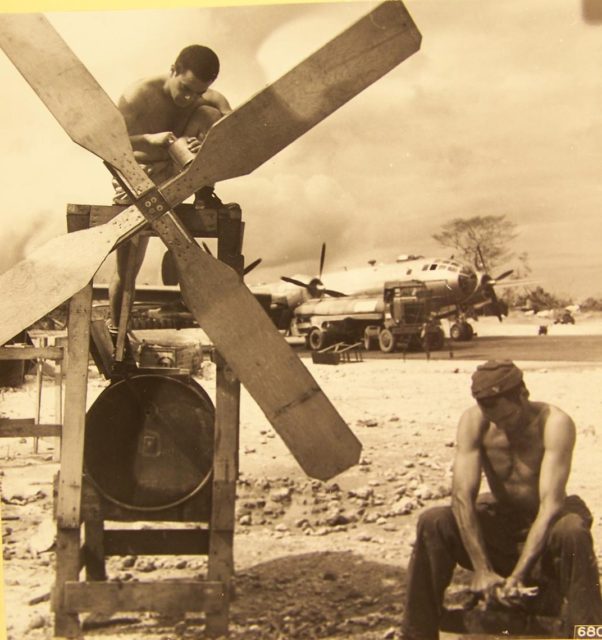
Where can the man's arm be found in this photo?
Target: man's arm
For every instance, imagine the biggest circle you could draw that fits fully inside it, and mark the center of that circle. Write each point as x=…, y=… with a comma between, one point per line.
x=215, y=99
x=559, y=440
x=148, y=147
x=465, y=488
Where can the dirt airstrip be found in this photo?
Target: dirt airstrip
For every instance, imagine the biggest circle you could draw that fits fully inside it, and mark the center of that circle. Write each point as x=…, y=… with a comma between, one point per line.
x=314, y=560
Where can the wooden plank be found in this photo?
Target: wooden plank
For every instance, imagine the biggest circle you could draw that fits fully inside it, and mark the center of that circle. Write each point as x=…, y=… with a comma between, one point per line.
x=78, y=217
x=94, y=550
x=27, y=428
x=199, y=223
x=18, y=352
x=68, y=565
x=165, y=542
x=225, y=472
x=101, y=347
x=165, y=596
x=72, y=449
x=127, y=298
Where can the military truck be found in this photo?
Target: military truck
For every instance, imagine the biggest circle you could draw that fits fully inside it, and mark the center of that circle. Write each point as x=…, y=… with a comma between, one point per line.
x=399, y=318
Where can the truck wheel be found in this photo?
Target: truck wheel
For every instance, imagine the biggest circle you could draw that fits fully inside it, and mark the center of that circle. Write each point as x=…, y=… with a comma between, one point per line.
x=370, y=341
x=316, y=339
x=386, y=341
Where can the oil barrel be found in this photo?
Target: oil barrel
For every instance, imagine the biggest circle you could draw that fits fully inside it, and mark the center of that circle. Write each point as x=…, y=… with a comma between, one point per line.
x=149, y=441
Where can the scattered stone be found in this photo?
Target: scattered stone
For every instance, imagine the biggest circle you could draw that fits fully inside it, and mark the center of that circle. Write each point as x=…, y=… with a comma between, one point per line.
x=148, y=567
x=128, y=562
x=367, y=423
x=281, y=495
x=245, y=520
x=37, y=622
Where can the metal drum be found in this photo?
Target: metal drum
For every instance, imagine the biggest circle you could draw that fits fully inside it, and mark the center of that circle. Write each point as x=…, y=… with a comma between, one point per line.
x=149, y=441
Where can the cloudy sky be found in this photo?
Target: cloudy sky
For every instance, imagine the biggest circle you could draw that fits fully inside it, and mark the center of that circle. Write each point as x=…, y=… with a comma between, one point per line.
x=500, y=112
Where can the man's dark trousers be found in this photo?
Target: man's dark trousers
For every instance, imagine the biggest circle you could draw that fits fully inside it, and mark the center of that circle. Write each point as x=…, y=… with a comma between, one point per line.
x=568, y=559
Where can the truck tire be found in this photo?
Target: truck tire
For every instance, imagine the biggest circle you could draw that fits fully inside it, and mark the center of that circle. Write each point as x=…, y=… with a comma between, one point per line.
x=316, y=339
x=370, y=341
x=387, y=341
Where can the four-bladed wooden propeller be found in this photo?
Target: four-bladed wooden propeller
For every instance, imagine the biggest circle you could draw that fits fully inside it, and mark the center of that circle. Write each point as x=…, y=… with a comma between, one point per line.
x=314, y=432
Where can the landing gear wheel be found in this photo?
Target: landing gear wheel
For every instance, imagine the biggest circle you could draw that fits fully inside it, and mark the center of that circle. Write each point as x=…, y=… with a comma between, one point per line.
x=455, y=331
x=386, y=341
x=461, y=331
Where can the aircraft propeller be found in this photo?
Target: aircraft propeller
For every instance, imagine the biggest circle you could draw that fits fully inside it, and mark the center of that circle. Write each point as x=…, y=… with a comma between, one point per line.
x=315, y=286
x=223, y=306
x=487, y=283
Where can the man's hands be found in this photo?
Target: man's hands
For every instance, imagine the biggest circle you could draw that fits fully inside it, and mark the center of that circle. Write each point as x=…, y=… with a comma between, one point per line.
x=507, y=591
x=485, y=583
x=513, y=592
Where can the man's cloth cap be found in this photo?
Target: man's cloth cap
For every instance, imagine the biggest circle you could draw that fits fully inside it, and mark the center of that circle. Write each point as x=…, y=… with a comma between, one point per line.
x=494, y=378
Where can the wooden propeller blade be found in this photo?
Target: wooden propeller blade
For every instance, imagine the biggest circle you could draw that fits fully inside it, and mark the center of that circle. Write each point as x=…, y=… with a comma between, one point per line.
x=272, y=119
x=293, y=402
x=272, y=373
x=57, y=270
x=67, y=88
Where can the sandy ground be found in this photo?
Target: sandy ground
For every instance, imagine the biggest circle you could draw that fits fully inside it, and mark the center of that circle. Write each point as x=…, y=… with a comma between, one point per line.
x=313, y=560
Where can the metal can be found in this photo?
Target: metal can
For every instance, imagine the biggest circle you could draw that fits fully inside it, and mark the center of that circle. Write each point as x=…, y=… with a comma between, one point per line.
x=180, y=153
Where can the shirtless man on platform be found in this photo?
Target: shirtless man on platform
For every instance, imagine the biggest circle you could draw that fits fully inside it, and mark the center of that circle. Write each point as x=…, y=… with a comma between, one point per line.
x=525, y=529
x=157, y=111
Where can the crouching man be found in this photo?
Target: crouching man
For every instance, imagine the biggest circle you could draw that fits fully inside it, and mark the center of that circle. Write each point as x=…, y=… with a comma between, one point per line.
x=526, y=526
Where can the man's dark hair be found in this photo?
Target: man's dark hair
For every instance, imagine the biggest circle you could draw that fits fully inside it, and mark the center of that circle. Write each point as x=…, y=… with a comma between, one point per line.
x=202, y=61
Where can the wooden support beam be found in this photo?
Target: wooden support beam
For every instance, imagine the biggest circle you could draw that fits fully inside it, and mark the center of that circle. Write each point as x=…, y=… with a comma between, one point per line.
x=18, y=352
x=72, y=449
x=27, y=428
x=199, y=223
x=185, y=542
x=165, y=597
x=68, y=566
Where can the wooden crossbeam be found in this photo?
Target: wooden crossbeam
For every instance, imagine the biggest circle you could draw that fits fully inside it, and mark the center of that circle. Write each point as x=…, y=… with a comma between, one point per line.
x=27, y=428
x=166, y=596
x=154, y=542
x=18, y=352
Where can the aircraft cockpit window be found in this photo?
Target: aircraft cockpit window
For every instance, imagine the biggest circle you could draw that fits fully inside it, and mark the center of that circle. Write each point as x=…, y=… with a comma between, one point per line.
x=433, y=267
x=426, y=266
x=454, y=268
x=408, y=272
